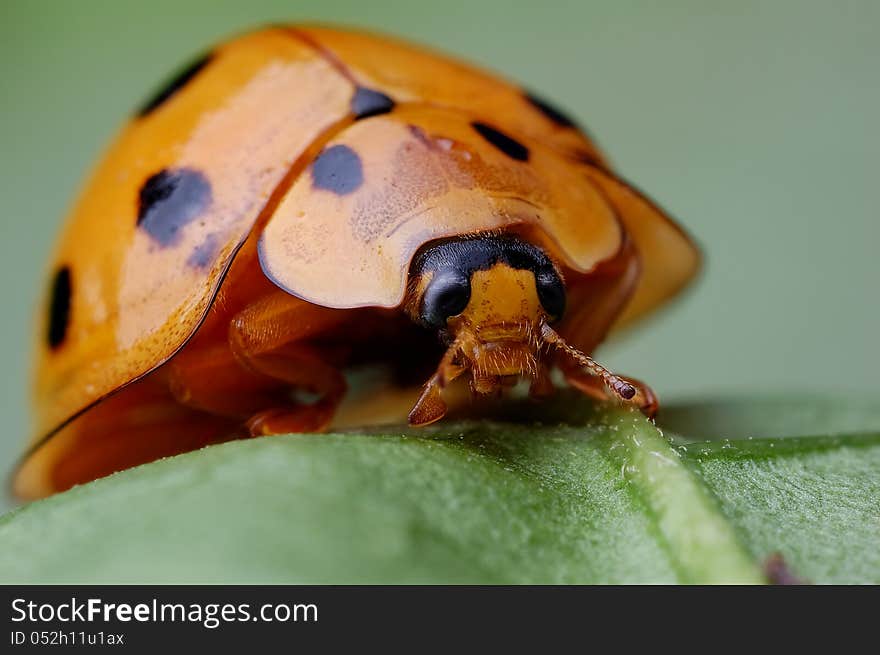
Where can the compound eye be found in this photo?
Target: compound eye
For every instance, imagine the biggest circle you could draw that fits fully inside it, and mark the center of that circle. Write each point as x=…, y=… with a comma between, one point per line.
x=551, y=293
x=447, y=295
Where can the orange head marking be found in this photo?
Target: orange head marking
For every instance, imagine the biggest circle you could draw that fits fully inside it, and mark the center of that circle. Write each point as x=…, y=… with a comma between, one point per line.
x=498, y=328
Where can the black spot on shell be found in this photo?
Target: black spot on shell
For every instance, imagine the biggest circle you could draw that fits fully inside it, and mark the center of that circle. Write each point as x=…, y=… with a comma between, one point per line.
x=59, y=308
x=175, y=84
x=338, y=169
x=171, y=199
x=508, y=145
x=550, y=111
x=368, y=102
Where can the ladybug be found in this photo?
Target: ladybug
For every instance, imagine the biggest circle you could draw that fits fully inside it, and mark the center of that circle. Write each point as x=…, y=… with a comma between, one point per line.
x=303, y=201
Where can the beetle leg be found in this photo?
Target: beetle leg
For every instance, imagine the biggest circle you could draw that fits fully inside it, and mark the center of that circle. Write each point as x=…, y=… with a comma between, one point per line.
x=278, y=319
x=257, y=388
x=269, y=338
x=542, y=384
x=300, y=367
x=430, y=407
x=253, y=372
x=211, y=379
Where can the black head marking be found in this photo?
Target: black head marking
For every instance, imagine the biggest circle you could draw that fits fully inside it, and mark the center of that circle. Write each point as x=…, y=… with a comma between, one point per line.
x=448, y=294
x=551, y=292
x=171, y=199
x=175, y=84
x=508, y=145
x=59, y=308
x=368, y=102
x=550, y=111
x=338, y=169
x=454, y=261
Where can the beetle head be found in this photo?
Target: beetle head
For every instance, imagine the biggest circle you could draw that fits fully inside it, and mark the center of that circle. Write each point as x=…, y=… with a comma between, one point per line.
x=493, y=299
x=488, y=296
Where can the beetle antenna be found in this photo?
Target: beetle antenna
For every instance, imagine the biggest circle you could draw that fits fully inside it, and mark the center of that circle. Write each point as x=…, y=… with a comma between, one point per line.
x=618, y=385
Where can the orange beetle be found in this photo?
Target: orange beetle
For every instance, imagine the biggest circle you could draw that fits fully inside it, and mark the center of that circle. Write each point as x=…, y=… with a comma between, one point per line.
x=302, y=201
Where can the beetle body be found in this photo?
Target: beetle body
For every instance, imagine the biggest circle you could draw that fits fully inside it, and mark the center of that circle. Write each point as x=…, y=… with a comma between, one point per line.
x=304, y=200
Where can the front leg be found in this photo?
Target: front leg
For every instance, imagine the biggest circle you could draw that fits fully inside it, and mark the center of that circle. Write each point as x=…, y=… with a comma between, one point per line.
x=301, y=368
x=268, y=338
x=430, y=407
x=252, y=371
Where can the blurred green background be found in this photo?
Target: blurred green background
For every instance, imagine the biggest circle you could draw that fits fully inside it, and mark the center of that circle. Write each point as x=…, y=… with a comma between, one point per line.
x=755, y=123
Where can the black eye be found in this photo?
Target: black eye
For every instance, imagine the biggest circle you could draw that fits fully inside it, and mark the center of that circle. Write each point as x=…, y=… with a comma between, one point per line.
x=551, y=293
x=447, y=295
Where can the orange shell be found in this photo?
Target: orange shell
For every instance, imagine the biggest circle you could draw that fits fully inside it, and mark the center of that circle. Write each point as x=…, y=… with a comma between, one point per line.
x=424, y=173
x=135, y=302
x=251, y=122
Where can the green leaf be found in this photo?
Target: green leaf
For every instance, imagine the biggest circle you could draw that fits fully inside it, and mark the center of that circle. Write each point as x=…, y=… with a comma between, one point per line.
x=591, y=496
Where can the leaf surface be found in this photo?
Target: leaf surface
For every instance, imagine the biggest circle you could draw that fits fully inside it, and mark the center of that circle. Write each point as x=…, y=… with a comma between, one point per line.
x=592, y=495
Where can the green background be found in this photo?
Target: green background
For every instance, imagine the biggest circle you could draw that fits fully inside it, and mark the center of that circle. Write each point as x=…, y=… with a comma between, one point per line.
x=755, y=123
